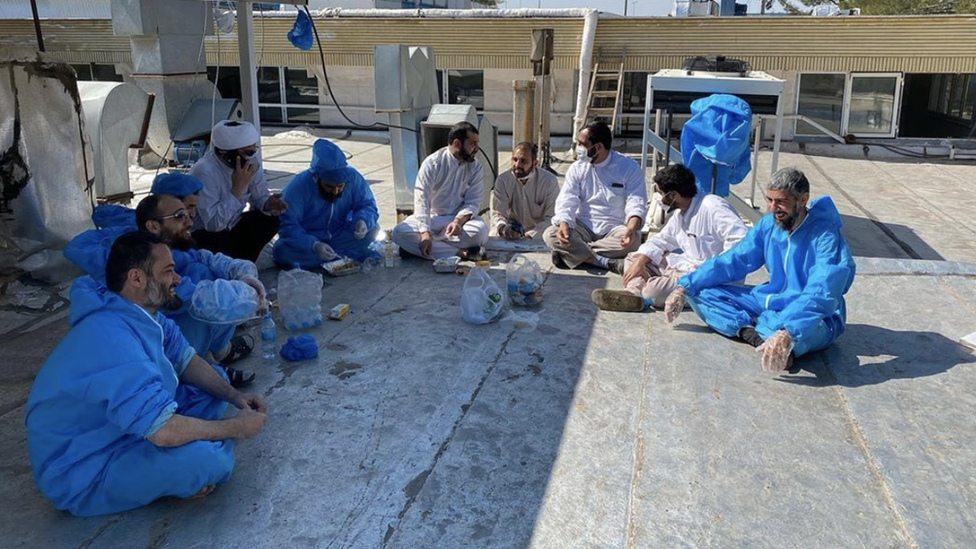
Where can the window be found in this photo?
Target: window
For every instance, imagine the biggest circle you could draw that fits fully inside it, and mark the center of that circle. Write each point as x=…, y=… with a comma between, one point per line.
x=228, y=81
x=300, y=88
x=466, y=87
x=872, y=104
x=821, y=98
x=97, y=72
x=953, y=95
x=970, y=105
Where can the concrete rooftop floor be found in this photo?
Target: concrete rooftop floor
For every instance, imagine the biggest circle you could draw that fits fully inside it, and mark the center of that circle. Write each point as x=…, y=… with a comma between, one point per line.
x=413, y=429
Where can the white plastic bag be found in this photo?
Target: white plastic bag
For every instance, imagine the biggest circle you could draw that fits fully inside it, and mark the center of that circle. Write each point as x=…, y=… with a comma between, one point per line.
x=481, y=298
x=524, y=281
x=300, y=299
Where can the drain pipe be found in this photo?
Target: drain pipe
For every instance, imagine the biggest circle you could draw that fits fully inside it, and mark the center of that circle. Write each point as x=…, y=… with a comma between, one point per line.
x=586, y=61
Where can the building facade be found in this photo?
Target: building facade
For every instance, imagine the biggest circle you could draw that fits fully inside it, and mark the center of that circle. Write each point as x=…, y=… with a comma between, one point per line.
x=879, y=77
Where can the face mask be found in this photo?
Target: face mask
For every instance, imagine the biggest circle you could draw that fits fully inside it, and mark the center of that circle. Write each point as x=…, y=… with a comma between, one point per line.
x=584, y=154
x=668, y=206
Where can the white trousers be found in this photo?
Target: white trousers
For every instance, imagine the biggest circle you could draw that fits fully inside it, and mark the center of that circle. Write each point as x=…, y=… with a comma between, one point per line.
x=407, y=235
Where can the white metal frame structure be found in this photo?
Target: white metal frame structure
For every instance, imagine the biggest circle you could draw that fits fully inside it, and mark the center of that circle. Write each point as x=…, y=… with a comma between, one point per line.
x=688, y=85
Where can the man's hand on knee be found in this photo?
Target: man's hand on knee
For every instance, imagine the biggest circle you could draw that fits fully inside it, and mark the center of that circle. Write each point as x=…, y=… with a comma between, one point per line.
x=426, y=244
x=562, y=234
x=637, y=268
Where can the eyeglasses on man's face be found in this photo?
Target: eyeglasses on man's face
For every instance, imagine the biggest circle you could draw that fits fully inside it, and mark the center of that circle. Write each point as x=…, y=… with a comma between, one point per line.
x=179, y=215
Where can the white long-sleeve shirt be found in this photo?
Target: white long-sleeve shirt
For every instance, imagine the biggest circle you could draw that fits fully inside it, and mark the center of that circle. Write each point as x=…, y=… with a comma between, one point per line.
x=219, y=209
x=602, y=196
x=446, y=186
x=529, y=203
x=709, y=227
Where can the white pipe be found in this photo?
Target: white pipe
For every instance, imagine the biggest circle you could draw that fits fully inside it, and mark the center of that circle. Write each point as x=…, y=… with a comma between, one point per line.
x=586, y=60
x=289, y=11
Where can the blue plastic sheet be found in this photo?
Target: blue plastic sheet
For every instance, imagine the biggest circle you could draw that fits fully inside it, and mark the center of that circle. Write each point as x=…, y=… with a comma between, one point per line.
x=299, y=348
x=300, y=34
x=717, y=135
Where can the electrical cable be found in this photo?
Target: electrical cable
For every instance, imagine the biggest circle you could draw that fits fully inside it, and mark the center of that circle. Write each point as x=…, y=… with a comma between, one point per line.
x=328, y=86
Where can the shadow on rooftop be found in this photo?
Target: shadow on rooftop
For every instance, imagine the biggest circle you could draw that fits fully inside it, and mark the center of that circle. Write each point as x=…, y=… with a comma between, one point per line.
x=869, y=355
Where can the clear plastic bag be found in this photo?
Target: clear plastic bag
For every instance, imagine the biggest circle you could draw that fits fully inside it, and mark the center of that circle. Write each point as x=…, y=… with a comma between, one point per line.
x=300, y=299
x=481, y=298
x=525, y=280
x=223, y=302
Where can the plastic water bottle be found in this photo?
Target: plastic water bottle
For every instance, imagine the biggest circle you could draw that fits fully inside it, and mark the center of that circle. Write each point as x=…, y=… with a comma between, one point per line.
x=269, y=338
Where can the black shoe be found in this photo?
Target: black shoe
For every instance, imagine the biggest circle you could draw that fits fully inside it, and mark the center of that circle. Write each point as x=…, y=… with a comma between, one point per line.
x=474, y=253
x=617, y=300
x=791, y=366
x=557, y=261
x=616, y=266
x=750, y=336
x=240, y=347
x=239, y=378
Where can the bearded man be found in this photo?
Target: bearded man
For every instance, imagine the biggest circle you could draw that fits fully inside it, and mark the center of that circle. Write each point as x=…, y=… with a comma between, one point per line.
x=801, y=308
x=331, y=212
x=123, y=411
x=523, y=200
x=447, y=202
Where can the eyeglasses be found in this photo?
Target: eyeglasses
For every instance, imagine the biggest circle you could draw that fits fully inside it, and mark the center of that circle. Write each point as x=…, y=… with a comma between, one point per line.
x=180, y=215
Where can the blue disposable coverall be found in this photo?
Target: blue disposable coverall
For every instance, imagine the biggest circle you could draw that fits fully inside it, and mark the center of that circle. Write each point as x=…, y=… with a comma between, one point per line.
x=111, y=383
x=311, y=218
x=89, y=251
x=810, y=270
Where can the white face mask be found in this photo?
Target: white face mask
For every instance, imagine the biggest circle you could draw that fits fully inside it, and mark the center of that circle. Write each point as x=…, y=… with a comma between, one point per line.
x=583, y=154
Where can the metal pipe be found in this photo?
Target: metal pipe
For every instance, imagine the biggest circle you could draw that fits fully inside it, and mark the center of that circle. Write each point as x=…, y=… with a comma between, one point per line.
x=37, y=26
x=586, y=60
x=667, y=150
x=755, y=159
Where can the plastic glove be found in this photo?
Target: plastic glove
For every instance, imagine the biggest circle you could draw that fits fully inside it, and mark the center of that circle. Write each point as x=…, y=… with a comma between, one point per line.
x=324, y=251
x=360, y=230
x=674, y=304
x=253, y=282
x=776, y=352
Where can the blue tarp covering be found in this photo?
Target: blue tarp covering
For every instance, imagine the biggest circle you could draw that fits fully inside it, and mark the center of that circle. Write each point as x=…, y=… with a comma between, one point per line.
x=717, y=135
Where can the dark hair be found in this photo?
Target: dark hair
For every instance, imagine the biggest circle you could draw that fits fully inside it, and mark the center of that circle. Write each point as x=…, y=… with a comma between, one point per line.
x=599, y=133
x=147, y=210
x=130, y=251
x=677, y=178
x=528, y=146
x=460, y=131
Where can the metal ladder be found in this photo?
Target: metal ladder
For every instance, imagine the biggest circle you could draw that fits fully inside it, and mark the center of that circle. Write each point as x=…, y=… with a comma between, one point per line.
x=606, y=89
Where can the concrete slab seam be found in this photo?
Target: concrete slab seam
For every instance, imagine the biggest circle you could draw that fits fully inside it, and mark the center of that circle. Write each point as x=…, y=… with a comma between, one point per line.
x=884, y=228
x=417, y=484
x=638, y=445
x=862, y=443
x=101, y=530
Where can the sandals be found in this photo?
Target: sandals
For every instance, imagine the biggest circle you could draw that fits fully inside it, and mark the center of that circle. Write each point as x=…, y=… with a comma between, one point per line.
x=240, y=347
x=239, y=378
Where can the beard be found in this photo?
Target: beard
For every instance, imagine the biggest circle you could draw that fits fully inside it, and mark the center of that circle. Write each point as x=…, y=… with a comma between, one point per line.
x=789, y=223
x=464, y=156
x=180, y=241
x=329, y=196
x=159, y=297
x=519, y=173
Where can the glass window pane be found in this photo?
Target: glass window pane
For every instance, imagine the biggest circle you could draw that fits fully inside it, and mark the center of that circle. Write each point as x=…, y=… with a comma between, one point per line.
x=970, y=98
x=466, y=88
x=821, y=100
x=84, y=72
x=872, y=104
x=228, y=81
x=303, y=116
x=270, y=115
x=934, y=90
x=105, y=73
x=268, y=90
x=300, y=88
x=958, y=90
x=944, y=95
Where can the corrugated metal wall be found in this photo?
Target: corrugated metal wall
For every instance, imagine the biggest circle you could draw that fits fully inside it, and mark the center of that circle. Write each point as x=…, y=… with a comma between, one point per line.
x=944, y=44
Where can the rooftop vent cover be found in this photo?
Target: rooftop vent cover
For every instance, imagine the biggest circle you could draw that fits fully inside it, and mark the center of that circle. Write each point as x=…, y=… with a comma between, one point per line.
x=716, y=63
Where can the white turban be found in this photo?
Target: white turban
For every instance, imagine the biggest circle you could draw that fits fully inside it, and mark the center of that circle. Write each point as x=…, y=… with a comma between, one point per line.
x=229, y=135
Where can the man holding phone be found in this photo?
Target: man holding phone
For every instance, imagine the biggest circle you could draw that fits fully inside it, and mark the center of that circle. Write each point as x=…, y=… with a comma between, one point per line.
x=233, y=179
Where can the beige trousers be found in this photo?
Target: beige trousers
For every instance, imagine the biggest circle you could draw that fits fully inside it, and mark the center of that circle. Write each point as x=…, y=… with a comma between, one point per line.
x=657, y=283
x=583, y=244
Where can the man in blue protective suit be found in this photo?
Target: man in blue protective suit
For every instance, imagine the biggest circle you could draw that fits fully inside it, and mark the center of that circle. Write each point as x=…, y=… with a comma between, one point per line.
x=123, y=412
x=801, y=309
x=331, y=212
x=163, y=214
